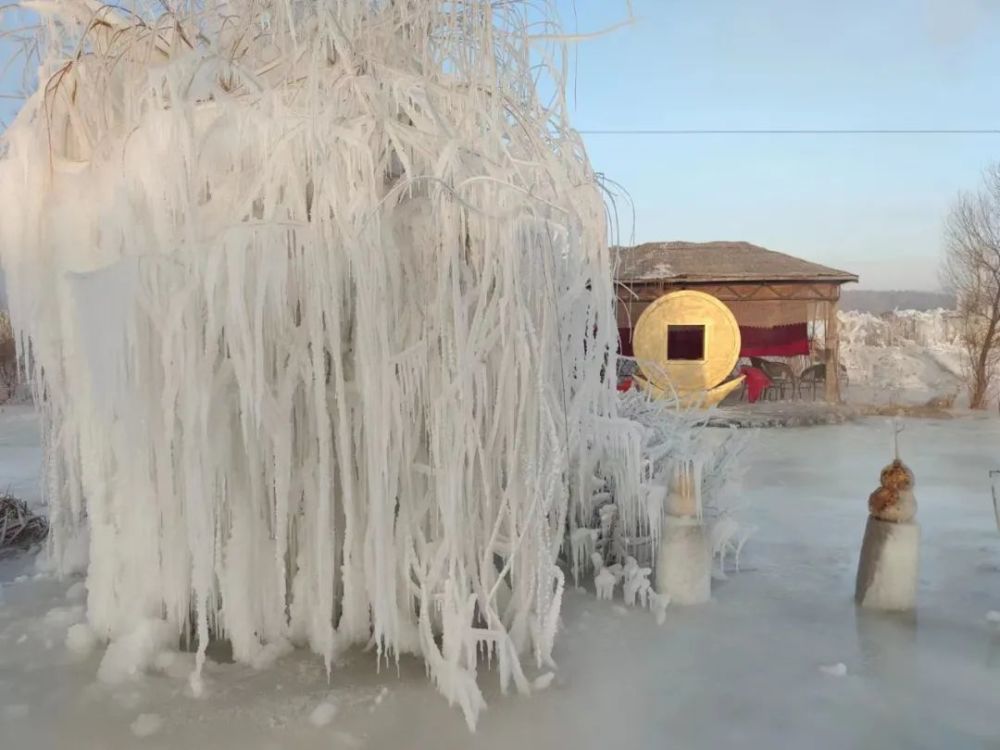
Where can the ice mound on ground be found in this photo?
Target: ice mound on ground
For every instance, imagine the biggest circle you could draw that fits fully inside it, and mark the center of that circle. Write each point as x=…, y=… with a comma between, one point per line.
x=323, y=714
x=146, y=724
x=131, y=655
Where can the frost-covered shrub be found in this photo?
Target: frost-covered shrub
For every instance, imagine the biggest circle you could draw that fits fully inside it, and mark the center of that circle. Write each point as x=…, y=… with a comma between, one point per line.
x=319, y=310
x=622, y=518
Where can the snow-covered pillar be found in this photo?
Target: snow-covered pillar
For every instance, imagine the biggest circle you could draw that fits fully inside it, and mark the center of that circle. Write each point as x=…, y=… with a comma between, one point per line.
x=684, y=562
x=890, y=552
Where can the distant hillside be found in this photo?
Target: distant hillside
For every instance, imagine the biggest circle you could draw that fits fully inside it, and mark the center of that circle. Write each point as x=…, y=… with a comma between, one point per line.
x=877, y=302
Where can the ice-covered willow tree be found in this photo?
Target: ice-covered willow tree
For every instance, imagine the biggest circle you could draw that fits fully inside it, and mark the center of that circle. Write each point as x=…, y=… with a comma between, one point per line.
x=316, y=298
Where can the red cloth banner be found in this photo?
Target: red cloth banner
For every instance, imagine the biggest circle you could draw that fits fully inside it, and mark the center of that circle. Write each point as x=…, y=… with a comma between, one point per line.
x=625, y=342
x=779, y=341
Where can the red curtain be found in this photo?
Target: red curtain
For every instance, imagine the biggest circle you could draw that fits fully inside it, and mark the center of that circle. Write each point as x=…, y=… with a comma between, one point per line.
x=625, y=342
x=779, y=341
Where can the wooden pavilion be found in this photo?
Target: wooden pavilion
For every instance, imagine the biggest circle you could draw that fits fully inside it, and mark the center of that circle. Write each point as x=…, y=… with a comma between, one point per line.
x=786, y=307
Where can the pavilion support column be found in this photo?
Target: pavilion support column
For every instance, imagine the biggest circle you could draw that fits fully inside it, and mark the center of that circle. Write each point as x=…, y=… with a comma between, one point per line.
x=832, y=346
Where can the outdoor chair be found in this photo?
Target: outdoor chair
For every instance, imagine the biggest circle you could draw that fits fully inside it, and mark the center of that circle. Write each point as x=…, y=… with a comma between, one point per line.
x=814, y=376
x=781, y=377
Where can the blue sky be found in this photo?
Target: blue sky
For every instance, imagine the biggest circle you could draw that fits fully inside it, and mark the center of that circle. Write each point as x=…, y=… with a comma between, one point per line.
x=870, y=204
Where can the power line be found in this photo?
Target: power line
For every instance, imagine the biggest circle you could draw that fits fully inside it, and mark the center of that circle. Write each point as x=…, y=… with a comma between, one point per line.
x=798, y=131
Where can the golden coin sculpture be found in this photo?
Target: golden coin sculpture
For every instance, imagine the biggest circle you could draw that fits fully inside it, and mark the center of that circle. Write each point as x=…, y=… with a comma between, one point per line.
x=686, y=343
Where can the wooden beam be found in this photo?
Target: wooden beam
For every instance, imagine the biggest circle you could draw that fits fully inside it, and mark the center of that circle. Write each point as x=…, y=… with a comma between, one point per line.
x=735, y=292
x=832, y=337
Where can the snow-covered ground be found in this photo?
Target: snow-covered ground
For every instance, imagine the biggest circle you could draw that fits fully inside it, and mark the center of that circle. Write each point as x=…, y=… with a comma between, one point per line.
x=779, y=658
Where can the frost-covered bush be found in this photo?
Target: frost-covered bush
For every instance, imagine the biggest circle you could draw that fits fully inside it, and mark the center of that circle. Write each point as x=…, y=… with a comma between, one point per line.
x=622, y=519
x=317, y=301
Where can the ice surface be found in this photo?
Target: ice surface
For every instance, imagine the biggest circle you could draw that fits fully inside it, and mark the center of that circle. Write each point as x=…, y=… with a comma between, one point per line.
x=77, y=592
x=15, y=711
x=708, y=678
x=834, y=670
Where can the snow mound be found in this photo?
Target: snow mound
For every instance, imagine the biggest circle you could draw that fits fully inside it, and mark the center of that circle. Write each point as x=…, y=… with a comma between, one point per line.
x=323, y=714
x=135, y=653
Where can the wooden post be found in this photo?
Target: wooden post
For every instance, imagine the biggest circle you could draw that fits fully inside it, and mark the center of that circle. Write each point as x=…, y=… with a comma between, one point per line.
x=832, y=345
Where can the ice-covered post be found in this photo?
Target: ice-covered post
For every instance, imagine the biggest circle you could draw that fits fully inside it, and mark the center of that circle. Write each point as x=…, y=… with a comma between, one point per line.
x=684, y=563
x=890, y=552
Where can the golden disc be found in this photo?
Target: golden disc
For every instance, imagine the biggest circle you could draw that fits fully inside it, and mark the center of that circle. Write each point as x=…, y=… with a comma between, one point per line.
x=703, y=333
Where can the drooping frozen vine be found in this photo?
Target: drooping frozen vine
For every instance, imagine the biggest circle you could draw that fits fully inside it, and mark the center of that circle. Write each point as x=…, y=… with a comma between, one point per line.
x=317, y=302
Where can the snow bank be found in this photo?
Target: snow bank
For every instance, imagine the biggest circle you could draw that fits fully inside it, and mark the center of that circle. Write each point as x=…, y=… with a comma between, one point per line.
x=905, y=355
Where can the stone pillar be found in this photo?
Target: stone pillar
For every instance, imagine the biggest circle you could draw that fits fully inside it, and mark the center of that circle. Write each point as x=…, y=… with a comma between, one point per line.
x=890, y=553
x=684, y=561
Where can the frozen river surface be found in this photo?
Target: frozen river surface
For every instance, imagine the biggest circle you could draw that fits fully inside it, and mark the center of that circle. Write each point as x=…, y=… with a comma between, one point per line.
x=758, y=667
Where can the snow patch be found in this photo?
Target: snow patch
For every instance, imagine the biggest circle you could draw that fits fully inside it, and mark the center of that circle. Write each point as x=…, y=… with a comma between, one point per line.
x=146, y=725
x=323, y=714
x=834, y=670
x=270, y=653
x=63, y=617
x=543, y=681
